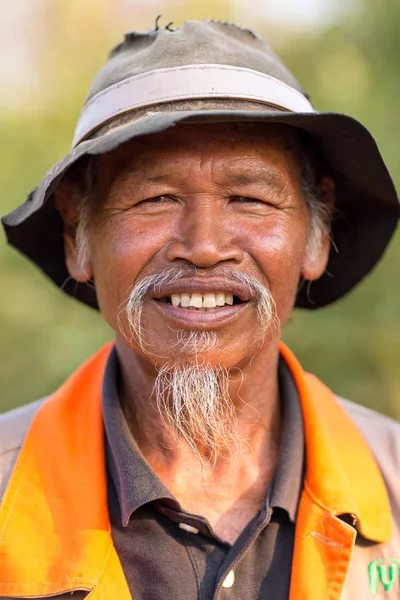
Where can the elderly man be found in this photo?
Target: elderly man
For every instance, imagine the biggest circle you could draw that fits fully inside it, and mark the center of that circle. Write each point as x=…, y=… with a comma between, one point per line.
x=203, y=199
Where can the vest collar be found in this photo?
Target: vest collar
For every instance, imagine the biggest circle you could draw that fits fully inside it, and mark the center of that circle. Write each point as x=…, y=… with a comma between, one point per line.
x=54, y=525
x=341, y=473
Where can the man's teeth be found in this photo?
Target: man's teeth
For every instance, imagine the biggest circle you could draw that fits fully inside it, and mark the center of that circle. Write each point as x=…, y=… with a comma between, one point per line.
x=202, y=300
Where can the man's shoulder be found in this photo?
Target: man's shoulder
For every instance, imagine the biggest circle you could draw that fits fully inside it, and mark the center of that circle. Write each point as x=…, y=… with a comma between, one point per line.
x=382, y=435
x=373, y=424
x=14, y=425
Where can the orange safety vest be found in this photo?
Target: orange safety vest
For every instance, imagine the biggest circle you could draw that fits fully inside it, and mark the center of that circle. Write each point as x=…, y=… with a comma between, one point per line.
x=55, y=532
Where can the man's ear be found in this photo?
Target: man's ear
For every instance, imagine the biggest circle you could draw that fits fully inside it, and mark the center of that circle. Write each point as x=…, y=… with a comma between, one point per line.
x=317, y=252
x=68, y=198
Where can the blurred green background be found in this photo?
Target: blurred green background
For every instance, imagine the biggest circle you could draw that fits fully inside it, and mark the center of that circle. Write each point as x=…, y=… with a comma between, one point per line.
x=346, y=53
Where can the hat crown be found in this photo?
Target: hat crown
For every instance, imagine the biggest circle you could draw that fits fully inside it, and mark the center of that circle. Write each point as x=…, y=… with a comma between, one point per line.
x=195, y=43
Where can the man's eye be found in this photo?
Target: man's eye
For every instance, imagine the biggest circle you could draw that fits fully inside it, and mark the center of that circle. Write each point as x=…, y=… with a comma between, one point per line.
x=156, y=199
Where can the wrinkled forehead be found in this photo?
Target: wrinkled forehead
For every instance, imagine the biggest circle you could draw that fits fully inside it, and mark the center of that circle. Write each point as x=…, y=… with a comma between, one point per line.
x=265, y=141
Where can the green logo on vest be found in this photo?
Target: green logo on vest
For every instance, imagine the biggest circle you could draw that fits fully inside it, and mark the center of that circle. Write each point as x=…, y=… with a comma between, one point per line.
x=385, y=575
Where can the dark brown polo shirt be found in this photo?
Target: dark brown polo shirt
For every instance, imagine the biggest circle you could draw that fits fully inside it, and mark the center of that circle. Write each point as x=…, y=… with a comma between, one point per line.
x=169, y=554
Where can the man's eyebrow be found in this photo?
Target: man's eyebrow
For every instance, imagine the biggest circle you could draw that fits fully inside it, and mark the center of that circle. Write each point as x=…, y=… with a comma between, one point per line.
x=156, y=177
x=145, y=175
x=255, y=174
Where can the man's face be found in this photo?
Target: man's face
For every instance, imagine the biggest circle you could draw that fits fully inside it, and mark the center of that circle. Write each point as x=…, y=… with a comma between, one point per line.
x=203, y=200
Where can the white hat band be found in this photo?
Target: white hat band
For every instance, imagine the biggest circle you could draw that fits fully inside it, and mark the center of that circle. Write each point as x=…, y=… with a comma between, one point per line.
x=187, y=83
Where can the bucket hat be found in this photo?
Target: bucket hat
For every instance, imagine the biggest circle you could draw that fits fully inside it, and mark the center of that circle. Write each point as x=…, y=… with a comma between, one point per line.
x=158, y=78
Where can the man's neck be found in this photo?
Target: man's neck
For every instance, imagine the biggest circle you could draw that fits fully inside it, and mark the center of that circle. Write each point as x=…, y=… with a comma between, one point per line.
x=229, y=490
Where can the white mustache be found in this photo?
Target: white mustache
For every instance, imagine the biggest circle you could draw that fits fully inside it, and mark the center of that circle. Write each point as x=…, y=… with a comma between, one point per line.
x=133, y=309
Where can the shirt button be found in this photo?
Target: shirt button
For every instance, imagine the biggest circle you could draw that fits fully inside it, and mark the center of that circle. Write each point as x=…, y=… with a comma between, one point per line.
x=229, y=579
x=188, y=528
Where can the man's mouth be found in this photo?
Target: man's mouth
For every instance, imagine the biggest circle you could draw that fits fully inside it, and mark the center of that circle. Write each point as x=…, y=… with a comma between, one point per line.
x=202, y=302
x=210, y=301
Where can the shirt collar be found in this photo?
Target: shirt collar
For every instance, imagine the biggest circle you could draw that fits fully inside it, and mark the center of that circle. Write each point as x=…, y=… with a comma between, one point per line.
x=135, y=481
x=137, y=484
x=288, y=481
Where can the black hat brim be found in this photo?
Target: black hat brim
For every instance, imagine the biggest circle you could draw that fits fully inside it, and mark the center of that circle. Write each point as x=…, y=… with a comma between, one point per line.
x=366, y=215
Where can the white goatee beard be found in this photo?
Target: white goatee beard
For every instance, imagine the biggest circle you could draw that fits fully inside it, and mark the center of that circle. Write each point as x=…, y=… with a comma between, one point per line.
x=195, y=406
x=192, y=398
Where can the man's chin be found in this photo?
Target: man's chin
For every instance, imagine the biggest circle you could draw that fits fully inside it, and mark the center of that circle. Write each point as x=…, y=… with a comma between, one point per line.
x=196, y=343
x=200, y=348
x=208, y=359
x=189, y=348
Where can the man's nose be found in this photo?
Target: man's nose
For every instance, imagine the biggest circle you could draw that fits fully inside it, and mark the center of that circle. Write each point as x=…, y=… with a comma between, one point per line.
x=204, y=239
